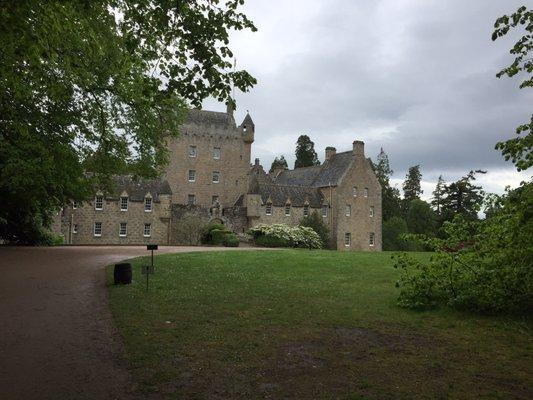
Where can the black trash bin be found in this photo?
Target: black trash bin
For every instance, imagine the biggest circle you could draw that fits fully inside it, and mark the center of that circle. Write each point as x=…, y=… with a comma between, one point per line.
x=122, y=274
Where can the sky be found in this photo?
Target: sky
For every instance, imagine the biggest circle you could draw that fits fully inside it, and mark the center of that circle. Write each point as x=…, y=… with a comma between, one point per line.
x=414, y=77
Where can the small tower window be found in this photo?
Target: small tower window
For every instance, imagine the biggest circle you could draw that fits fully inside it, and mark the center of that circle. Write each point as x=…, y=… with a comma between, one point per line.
x=99, y=203
x=371, y=239
x=268, y=209
x=354, y=191
x=191, y=199
x=193, y=152
x=366, y=192
x=191, y=176
x=216, y=153
x=348, y=210
x=75, y=228
x=75, y=205
x=371, y=211
x=306, y=210
x=287, y=210
x=216, y=177
x=214, y=200
x=325, y=210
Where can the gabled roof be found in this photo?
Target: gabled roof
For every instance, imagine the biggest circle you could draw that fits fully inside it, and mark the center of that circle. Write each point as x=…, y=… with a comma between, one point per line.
x=280, y=194
x=138, y=188
x=204, y=117
x=329, y=173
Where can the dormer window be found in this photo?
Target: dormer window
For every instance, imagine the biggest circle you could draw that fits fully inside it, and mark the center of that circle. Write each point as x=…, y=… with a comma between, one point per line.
x=124, y=203
x=268, y=209
x=192, y=151
x=99, y=203
x=147, y=204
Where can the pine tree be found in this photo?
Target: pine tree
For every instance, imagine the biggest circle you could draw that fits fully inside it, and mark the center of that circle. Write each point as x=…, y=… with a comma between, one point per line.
x=305, y=153
x=383, y=169
x=438, y=195
x=411, y=185
x=463, y=197
x=279, y=162
x=390, y=196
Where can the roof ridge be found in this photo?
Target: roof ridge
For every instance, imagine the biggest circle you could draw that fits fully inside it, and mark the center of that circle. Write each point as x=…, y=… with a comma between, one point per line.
x=285, y=185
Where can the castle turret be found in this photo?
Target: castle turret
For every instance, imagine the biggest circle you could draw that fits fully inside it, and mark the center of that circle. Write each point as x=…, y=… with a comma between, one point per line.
x=248, y=129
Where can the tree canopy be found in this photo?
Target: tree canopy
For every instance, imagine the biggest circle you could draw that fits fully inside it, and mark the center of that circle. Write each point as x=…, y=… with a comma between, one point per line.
x=279, y=162
x=91, y=89
x=411, y=185
x=305, y=153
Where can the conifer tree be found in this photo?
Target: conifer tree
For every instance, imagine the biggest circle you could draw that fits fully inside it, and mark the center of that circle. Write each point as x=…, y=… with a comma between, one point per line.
x=411, y=185
x=305, y=153
x=390, y=196
x=438, y=195
x=463, y=197
x=279, y=162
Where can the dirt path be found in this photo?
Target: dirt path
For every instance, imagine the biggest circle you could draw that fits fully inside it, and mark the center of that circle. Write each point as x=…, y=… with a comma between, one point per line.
x=57, y=340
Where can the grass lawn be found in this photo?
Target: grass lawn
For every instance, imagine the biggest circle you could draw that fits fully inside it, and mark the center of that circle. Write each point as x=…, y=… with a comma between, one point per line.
x=305, y=324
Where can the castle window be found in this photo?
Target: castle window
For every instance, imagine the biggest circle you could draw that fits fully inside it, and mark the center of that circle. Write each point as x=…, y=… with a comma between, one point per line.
x=192, y=151
x=214, y=200
x=354, y=191
x=123, y=229
x=216, y=153
x=147, y=232
x=191, y=199
x=216, y=177
x=147, y=204
x=98, y=229
x=99, y=203
x=75, y=205
x=124, y=203
x=306, y=210
x=347, y=239
x=287, y=210
x=371, y=211
x=371, y=239
x=366, y=192
x=325, y=210
x=75, y=228
x=268, y=209
x=191, y=176
x=348, y=210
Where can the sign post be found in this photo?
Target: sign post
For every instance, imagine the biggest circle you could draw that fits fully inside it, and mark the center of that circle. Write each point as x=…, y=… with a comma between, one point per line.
x=149, y=269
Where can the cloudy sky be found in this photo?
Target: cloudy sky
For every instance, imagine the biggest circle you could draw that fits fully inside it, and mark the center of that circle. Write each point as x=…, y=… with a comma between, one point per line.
x=416, y=77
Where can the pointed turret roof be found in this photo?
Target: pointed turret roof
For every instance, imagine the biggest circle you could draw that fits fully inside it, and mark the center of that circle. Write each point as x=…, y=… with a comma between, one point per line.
x=248, y=120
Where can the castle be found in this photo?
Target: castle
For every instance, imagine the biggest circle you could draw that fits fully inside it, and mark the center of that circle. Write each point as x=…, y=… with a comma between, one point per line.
x=210, y=177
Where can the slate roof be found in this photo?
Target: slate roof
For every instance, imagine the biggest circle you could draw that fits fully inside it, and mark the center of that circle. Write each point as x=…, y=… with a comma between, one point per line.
x=279, y=194
x=204, y=117
x=247, y=121
x=329, y=173
x=138, y=188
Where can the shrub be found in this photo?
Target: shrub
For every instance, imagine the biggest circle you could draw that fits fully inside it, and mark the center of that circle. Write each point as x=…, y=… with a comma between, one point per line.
x=482, y=266
x=211, y=233
x=316, y=222
x=282, y=235
x=393, y=229
x=231, y=240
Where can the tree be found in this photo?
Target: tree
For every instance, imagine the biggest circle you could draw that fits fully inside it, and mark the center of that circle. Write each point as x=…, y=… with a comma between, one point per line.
x=420, y=218
x=316, y=222
x=305, y=153
x=438, y=195
x=518, y=149
x=463, y=197
x=393, y=229
x=91, y=89
x=390, y=196
x=411, y=185
x=279, y=162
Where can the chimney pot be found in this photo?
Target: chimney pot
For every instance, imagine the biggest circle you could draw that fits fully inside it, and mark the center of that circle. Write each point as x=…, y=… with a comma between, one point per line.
x=257, y=161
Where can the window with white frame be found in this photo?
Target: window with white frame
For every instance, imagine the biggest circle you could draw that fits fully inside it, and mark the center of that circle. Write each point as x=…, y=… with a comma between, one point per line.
x=348, y=211
x=216, y=177
x=191, y=176
x=191, y=199
x=147, y=232
x=306, y=210
x=147, y=204
x=354, y=191
x=75, y=228
x=371, y=239
x=371, y=211
x=123, y=229
x=366, y=192
x=193, y=151
x=287, y=210
x=216, y=153
x=75, y=205
x=97, y=229
x=325, y=210
x=124, y=203
x=99, y=203
x=214, y=200
x=268, y=209
x=347, y=239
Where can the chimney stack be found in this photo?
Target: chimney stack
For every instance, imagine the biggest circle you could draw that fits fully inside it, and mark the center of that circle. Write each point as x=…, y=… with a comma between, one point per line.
x=330, y=152
x=257, y=162
x=359, y=149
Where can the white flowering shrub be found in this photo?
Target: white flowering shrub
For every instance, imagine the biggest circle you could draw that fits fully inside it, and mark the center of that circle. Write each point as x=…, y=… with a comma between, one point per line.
x=281, y=235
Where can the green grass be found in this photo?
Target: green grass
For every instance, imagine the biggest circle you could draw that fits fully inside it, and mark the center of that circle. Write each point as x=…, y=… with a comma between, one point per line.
x=307, y=325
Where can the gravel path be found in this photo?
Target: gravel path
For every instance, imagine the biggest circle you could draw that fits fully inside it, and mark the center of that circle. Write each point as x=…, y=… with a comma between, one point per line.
x=57, y=340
